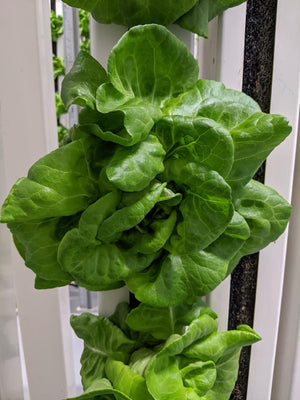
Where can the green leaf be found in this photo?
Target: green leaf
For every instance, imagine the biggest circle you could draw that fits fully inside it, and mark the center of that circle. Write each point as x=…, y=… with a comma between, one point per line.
x=254, y=139
x=58, y=66
x=97, y=266
x=224, y=349
x=200, y=376
x=78, y=86
x=84, y=4
x=127, y=381
x=96, y=213
x=164, y=380
x=132, y=169
x=137, y=115
x=206, y=209
x=160, y=231
x=102, y=340
x=39, y=244
x=128, y=217
x=196, y=19
x=99, y=390
x=57, y=28
x=210, y=99
x=151, y=63
x=199, y=140
x=163, y=322
x=267, y=215
x=59, y=184
x=131, y=13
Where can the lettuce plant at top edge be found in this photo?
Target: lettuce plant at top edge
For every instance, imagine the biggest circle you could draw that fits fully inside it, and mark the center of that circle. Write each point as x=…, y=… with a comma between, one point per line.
x=192, y=15
x=161, y=354
x=154, y=187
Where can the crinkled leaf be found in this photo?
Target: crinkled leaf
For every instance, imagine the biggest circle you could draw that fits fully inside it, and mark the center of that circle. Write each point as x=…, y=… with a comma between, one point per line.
x=164, y=380
x=59, y=184
x=151, y=63
x=128, y=217
x=102, y=340
x=78, y=86
x=132, y=169
x=163, y=322
x=97, y=266
x=224, y=349
x=267, y=215
x=200, y=376
x=206, y=209
x=197, y=140
x=182, y=278
x=254, y=139
x=127, y=381
x=210, y=99
x=138, y=116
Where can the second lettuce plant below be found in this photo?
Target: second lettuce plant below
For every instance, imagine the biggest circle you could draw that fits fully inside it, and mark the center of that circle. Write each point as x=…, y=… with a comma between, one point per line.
x=171, y=353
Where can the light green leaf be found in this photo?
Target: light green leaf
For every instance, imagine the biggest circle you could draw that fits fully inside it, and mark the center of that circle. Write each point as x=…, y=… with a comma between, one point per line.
x=39, y=243
x=102, y=340
x=163, y=322
x=200, y=376
x=59, y=184
x=78, y=86
x=137, y=115
x=210, y=99
x=97, y=266
x=224, y=349
x=152, y=64
x=126, y=381
x=254, y=139
x=132, y=169
x=99, y=390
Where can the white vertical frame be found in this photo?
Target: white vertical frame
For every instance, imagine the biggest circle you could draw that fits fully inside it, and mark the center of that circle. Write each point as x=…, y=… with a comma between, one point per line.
x=279, y=175
x=221, y=57
x=28, y=129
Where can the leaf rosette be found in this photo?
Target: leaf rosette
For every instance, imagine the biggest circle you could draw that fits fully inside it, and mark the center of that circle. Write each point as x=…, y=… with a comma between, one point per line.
x=154, y=187
x=177, y=353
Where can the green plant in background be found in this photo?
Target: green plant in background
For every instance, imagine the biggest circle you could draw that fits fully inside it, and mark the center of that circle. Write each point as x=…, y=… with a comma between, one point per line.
x=58, y=66
x=192, y=15
x=84, y=29
x=57, y=28
x=153, y=189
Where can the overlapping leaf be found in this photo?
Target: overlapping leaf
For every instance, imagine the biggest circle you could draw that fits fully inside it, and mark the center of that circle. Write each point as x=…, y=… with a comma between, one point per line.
x=197, y=363
x=154, y=186
x=192, y=15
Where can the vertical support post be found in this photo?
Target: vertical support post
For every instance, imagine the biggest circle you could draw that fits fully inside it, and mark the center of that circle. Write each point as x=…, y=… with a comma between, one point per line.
x=28, y=127
x=272, y=264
